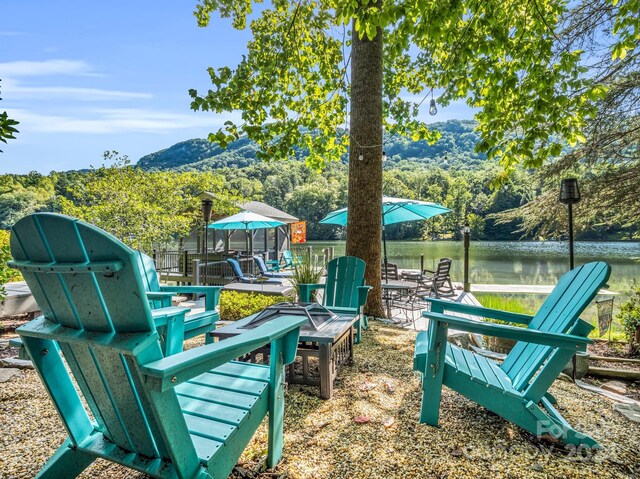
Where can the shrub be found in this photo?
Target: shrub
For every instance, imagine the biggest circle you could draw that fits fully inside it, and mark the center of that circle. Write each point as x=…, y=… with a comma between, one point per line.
x=629, y=317
x=307, y=271
x=7, y=274
x=235, y=305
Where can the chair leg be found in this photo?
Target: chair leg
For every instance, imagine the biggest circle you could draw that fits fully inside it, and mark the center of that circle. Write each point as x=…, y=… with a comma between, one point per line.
x=66, y=462
x=358, y=327
x=276, y=405
x=432, y=376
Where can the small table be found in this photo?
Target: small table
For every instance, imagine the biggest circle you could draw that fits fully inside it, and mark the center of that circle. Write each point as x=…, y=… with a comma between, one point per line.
x=395, y=285
x=332, y=345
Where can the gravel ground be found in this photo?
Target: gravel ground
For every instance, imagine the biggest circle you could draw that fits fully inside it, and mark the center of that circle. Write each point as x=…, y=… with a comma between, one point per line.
x=369, y=429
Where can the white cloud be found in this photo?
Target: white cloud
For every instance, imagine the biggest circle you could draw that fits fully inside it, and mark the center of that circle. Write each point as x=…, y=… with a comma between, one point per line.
x=24, y=68
x=9, y=33
x=14, y=89
x=111, y=121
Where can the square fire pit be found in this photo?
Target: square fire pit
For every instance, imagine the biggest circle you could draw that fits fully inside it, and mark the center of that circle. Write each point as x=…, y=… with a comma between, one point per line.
x=327, y=336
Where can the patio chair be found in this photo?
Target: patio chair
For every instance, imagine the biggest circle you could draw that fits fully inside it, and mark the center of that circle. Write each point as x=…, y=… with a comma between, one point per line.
x=391, y=271
x=413, y=302
x=189, y=415
x=160, y=296
x=439, y=280
x=516, y=389
x=290, y=261
x=242, y=277
x=269, y=272
x=344, y=289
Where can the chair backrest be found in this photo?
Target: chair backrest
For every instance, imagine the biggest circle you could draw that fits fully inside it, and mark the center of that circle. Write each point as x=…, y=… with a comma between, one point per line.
x=391, y=271
x=90, y=289
x=287, y=257
x=235, y=267
x=260, y=263
x=150, y=278
x=443, y=269
x=558, y=314
x=344, y=275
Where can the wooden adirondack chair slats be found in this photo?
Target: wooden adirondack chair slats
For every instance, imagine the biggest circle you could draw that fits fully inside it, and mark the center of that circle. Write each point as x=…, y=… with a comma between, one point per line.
x=516, y=388
x=100, y=320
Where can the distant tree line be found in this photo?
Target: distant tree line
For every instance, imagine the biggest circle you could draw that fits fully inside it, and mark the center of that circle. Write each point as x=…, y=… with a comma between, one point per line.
x=151, y=209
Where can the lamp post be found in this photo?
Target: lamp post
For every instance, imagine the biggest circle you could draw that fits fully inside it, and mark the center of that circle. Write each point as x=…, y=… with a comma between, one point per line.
x=206, y=214
x=569, y=195
x=466, y=230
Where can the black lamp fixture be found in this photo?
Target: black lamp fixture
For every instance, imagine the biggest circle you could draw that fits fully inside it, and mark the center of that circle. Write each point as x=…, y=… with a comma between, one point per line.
x=570, y=195
x=207, y=205
x=466, y=231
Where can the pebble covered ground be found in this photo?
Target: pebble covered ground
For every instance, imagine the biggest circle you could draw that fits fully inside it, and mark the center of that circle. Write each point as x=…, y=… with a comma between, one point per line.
x=368, y=430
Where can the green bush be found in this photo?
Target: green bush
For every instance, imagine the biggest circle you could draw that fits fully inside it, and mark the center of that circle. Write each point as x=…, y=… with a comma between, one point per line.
x=7, y=274
x=629, y=317
x=235, y=305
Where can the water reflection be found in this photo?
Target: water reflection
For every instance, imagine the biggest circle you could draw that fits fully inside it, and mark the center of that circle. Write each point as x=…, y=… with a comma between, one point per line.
x=512, y=262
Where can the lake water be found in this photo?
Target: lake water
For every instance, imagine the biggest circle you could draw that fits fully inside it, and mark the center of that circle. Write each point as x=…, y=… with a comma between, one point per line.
x=514, y=262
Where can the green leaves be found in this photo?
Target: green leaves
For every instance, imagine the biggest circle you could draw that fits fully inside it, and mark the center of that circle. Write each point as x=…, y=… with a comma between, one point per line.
x=7, y=130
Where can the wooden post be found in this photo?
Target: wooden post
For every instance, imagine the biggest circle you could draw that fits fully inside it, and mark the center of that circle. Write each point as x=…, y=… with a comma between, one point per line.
x=196, y=272
x=185, y=259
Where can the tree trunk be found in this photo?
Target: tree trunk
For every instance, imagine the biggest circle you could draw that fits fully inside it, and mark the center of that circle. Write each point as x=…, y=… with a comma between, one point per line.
x=364, y=227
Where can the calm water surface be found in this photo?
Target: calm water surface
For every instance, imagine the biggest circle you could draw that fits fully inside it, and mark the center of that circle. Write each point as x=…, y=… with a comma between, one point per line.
x=512, y=262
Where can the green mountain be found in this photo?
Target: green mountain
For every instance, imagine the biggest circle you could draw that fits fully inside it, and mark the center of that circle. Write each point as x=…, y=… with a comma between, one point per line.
x=455, y=149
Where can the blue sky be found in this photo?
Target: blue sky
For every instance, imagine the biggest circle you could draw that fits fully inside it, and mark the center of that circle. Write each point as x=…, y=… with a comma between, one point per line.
x=84, y=77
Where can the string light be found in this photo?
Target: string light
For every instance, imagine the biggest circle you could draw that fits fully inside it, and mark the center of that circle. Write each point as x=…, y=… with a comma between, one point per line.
x=433, y=110
x=384, y=156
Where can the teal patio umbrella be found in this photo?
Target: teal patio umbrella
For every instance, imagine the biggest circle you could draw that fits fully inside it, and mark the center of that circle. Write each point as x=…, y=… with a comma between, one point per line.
x=245, y=220
x=394, y=210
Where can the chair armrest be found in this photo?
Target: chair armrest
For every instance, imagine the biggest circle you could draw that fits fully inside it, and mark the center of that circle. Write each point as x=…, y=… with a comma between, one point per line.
x=172, y=319
x=440, y=306
x=162, y=315
x=556, y=340
x=304, y=290
x=211, y=293
x=164, y=298
x=168, y=372
x=363, y=292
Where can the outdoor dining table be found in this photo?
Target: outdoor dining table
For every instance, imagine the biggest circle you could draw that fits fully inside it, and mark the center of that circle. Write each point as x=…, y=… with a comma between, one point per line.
x=395, y=285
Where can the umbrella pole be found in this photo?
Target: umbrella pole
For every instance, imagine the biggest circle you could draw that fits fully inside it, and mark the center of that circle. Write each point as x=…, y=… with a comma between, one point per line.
x=384, y=247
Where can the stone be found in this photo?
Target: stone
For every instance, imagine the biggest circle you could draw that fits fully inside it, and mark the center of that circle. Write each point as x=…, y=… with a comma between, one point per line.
x=582, y=366
x=16, y=363
x=630, y=411
x=462, y=340
x=617, y=387
x=7, y=373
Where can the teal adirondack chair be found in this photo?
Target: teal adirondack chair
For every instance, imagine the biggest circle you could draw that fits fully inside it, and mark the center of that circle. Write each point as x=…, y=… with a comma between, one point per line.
x=344, y=289
x=516, y=389
x=189, y=415
x=290, y=261
x=160, y=296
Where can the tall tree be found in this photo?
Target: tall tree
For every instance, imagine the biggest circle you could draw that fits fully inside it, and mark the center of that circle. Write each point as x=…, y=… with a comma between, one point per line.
x=293, y=86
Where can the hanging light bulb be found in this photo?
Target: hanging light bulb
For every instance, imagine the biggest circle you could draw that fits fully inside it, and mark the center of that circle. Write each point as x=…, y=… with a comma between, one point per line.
x=384, y=156
x=433, y=110
x=360, y=157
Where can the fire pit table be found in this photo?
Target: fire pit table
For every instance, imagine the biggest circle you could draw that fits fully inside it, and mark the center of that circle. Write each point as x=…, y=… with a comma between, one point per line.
x=328, y=335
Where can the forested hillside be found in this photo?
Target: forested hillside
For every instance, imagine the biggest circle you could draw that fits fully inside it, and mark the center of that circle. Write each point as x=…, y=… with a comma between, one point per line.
x=455, y=149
